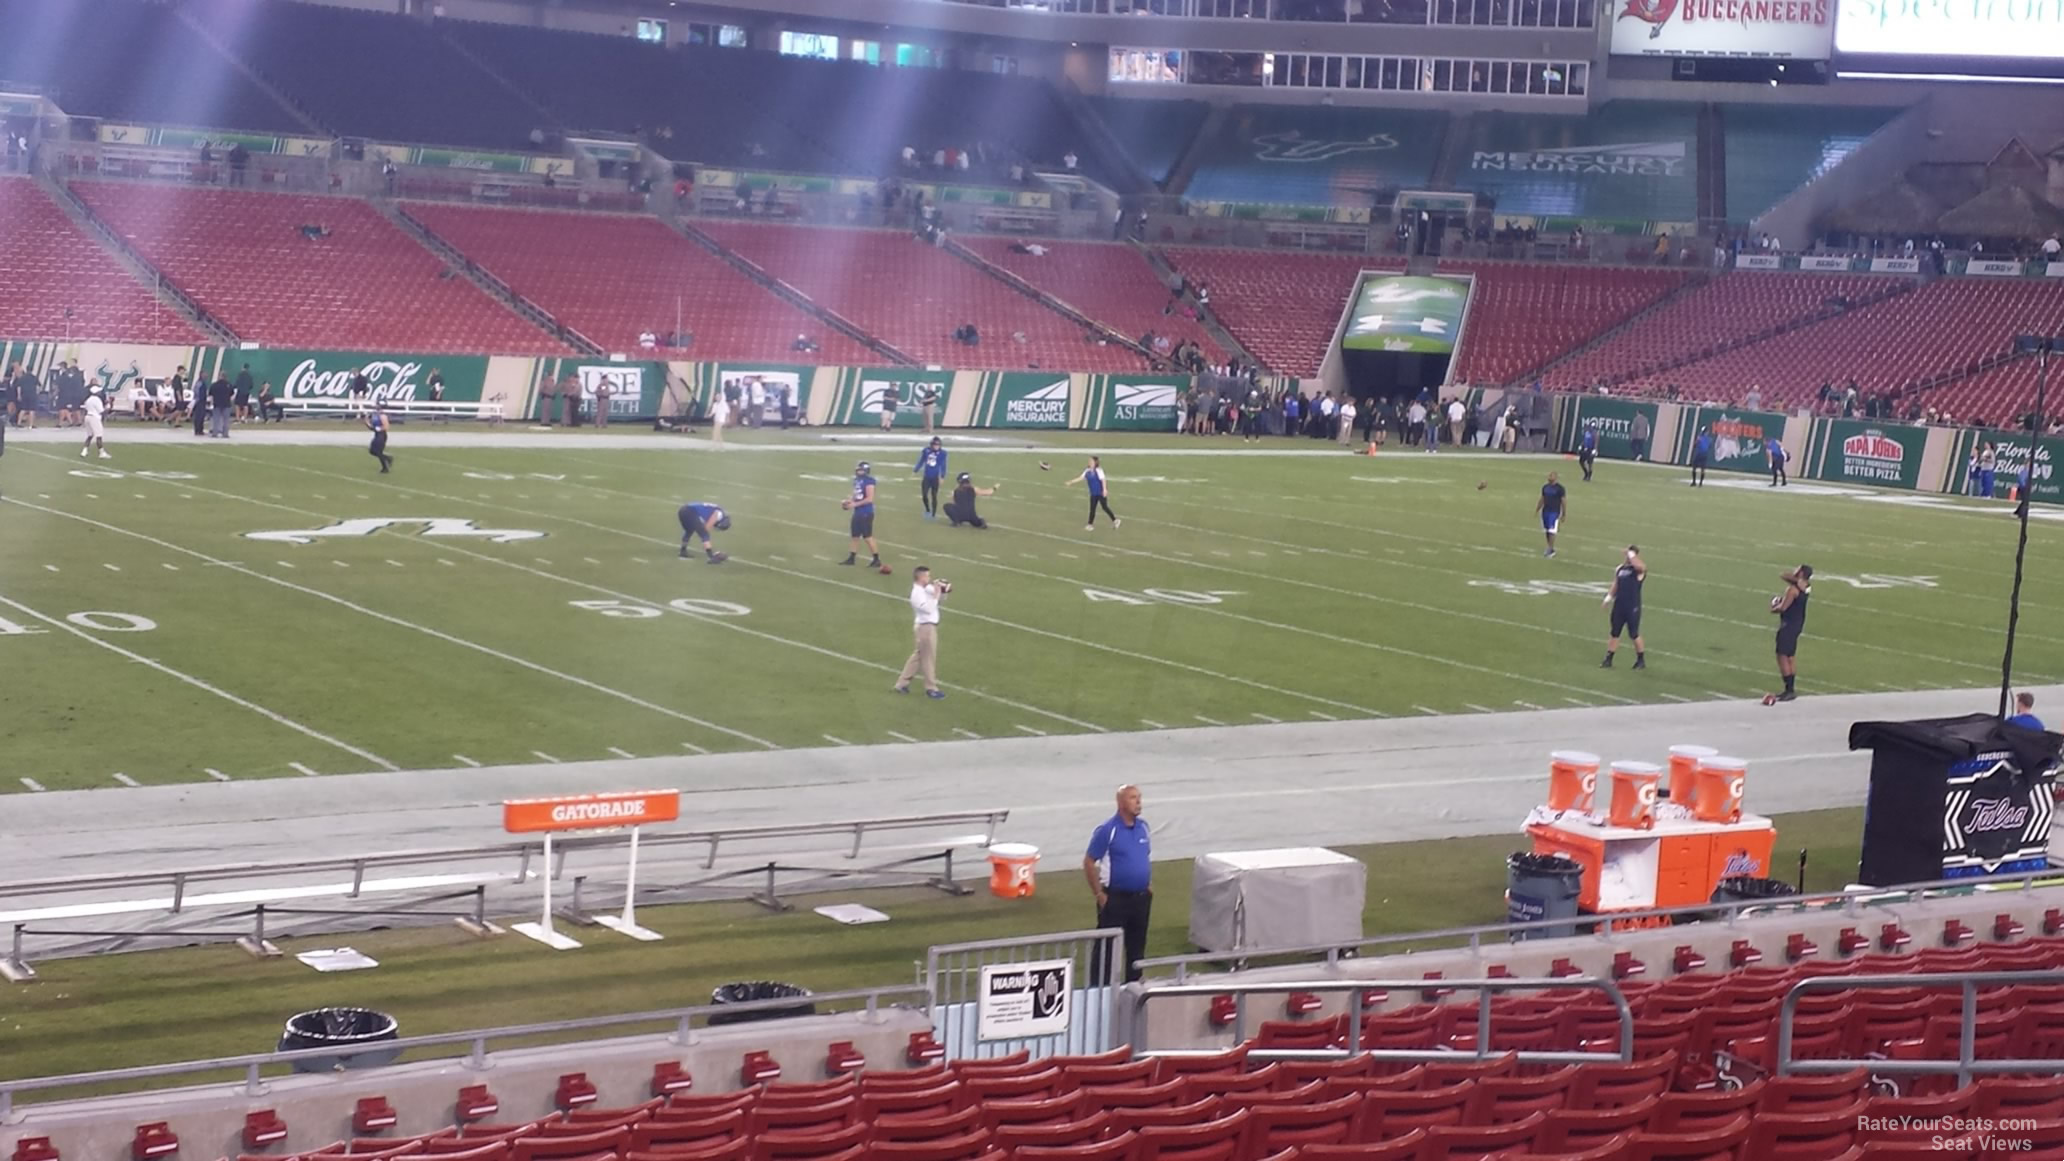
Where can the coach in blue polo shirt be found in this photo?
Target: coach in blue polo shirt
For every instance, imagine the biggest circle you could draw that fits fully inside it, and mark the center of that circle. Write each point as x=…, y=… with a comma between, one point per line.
x=1120, y=876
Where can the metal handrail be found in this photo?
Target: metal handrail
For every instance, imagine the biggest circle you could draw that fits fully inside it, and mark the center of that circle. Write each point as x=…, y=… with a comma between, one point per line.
x=358, y=865
x=1965, y=1065
x=1482, y=987
x=1475, y=935
x=477, y=1039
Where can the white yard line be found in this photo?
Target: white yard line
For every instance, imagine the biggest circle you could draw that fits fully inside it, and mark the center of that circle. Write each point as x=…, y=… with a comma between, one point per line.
x=967, y=733
x=906, y=737
x=621, y=752
x=1526, y=705
x=1482, y=709
x=547, y=757
x=836, y=741
x=1675, y=698
x=1427, y=710
x=191, y=680
x=398, y=622
x=1207, y=721
x=1151, y=724
x=1268, y=719
x=303, y=769
x=125, y=780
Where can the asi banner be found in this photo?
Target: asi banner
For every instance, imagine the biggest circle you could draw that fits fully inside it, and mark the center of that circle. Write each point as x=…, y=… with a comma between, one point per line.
x=1853, y=451
x=1741, y=439
x=1135, y=402
x=1616, y=427
x=862, y=391
x=327, y=374
x=1024, y=399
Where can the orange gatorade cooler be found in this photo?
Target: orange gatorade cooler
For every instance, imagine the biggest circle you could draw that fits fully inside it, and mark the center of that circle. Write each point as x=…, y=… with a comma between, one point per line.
x=1721, y=781
x=1010, y=869
x=1634, y=794
x=1684, y=764
x=1572, y=780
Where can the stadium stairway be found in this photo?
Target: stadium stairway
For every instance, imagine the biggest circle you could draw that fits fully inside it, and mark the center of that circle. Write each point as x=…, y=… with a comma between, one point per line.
x=1110, y=286
x=789, y=294
x=1197, y=151
x=1630, y=323
x=494, y=287
x=257, y=78
x=1206, y=317
x=112, y=241
x=1116, y=337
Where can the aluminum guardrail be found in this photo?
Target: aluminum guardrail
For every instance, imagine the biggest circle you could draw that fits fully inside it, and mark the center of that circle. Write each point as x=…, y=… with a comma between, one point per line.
x=1482, y=1048
x=476, y=1040
x=1965, y=1066
x=1847, y=901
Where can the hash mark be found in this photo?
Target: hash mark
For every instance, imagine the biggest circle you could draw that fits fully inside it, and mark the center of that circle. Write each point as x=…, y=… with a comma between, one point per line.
x=1031, y=731
x=340, y=564
x=446, y=563
x=125, y=780
x=1718, y=694
x=283, y=564
x=1256, y=552
x=112, y=567
x=303, y=769
x=639, y=560
x=217, y=775
x=51, y=567
x=691, y=746
x=1576, y=701
x=1425, y=710
x=621, y=753
x=545, y=756
x=320, y=496
x=32, y=784
x=467, y=761
x=1221, y=552
x=901, y=737
x=591, y=560
x=1324, y=717
x=986, y=555
x=836, y=741
x=782, y=559
x=1071, y=556
x=397, y=564
x=1152, y=725
x=1270, y=720
x=1526, y=705
x=1673, y=697
x=1482, y=709
x=967, y=733
x=169, y=566
x=1207, y=721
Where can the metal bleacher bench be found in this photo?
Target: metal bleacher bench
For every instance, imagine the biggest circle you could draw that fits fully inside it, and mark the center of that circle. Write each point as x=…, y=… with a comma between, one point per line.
x=460, y=409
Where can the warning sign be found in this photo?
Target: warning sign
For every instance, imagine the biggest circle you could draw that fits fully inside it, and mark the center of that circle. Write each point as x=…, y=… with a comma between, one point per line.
x=1020, y=1000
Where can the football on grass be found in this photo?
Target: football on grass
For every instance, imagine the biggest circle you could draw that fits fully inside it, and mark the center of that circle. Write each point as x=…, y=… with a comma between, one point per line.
x=1482, y=484
x=1769, y=699
x=886, y=570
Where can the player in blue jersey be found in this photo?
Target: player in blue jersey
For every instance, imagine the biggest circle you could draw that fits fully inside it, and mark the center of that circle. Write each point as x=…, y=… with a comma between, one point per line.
x=1554, y=500
x=1099, y=492
x=696, y=521
x=861, y=505
x=1587, y=448
x=1701, y=455
x=932, y=463
x=1774, y=451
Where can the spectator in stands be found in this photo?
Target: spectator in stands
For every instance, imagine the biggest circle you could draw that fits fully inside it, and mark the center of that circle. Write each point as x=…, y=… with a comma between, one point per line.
x=966, y=333
x=1068, y=160
x=315, y=233
x=14, y=152
x=2051, y=247
x=1754, y=400
x=910, y=157
x=239, y=161
x=803, y=345
x=647, y=340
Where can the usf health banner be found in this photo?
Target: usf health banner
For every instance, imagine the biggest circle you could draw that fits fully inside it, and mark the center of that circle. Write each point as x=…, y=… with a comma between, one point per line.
x=1135, y=402
x=1855, y=451
x=862, y=390
x=327, y=374
x=1615, y=420
x=634, y=390
x=1025, y=399
x=1739, y=437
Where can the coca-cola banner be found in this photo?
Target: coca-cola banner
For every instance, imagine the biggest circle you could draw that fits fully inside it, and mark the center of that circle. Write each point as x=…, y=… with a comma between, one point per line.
x=1955, y=797
x=391, y=378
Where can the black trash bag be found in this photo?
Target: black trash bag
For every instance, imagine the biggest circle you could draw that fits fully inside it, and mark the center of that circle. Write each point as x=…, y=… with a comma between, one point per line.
x=746, y=993
x=339, y=1028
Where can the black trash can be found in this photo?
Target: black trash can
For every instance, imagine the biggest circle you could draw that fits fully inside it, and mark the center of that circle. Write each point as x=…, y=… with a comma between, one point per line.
x=1542, y=887
x=1748, y=889
x=747, y=993
x=337, y=1028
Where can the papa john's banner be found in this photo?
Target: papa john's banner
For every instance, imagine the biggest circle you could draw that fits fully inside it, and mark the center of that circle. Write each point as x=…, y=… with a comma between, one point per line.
x=1855, y=451
x=1135, y=402
x=1739, y=437
x=1762, y=29
x=863, y=390
x=1025, y=399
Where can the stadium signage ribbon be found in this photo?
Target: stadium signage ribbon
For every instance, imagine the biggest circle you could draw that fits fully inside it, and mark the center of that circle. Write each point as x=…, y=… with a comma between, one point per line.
x=393, y=378
x=590, y=811
x=1852, y=451
x=1778, y=29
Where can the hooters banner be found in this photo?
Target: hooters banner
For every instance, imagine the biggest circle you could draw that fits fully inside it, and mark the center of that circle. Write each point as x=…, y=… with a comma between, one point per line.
x=590, y=811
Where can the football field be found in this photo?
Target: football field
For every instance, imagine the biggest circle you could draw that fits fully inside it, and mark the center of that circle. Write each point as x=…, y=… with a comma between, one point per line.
x=270, y=606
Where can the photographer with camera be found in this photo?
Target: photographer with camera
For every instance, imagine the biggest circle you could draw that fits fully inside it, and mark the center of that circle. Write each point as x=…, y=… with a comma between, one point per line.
x=925, y=595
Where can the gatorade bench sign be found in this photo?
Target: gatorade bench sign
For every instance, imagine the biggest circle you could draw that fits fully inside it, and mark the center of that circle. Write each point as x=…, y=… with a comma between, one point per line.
x=590, y=811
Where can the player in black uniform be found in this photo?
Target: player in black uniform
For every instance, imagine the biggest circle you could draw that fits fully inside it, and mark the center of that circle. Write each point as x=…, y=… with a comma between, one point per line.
x=1624, y=597
x=1790, y=607
x=961, y=508
x=1554, y=499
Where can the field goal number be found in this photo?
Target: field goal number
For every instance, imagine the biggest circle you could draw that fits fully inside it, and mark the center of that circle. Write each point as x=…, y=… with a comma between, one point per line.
x=698, y=606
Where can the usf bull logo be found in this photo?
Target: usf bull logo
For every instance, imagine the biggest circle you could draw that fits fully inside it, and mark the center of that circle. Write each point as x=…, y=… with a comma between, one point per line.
x=1292, y=146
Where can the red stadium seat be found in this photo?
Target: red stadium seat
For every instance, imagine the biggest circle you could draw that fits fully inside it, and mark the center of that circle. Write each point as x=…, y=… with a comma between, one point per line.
x=962, y=1147
x=1499, y=1099
x=669, y=1079
x=1472, y=1142
x=1575, y=1130
x=1053, y=1134
x=820, y=1145
x=1815, y=1136
x=1716, y=1143
x=540, y=1147
x=691, y=1134
x=1039, y=1110
x=1405, y=1148
x=263, y=1128
x=1386, y=1113
x=802, y=1118
x=928, y=1126
x=1215, y=1140
x=1602, y=1086
x=155, y=1139
x=1118, y=1148
x=1324, y=1122
x=738, y=1150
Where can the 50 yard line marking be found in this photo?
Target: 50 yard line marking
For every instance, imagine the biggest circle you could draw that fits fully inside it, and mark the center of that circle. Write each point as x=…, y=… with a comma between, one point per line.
x=187, y=678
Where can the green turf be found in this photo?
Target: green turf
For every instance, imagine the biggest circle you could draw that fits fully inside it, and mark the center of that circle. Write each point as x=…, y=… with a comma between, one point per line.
x=1240, y=589
x=154, y=1007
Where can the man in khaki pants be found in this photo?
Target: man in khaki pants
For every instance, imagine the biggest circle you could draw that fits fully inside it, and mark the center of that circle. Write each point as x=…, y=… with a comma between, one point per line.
x=925, y=595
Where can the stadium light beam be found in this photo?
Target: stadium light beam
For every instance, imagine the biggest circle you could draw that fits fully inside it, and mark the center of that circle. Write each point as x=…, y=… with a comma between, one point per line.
x=2042, y=346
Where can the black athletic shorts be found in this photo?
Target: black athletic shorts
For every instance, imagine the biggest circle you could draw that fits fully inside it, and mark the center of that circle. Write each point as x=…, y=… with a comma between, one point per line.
x=863, y=524
x=1698, y=461
x=691, y=524
x=1788, y=641
x=1626, y=622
